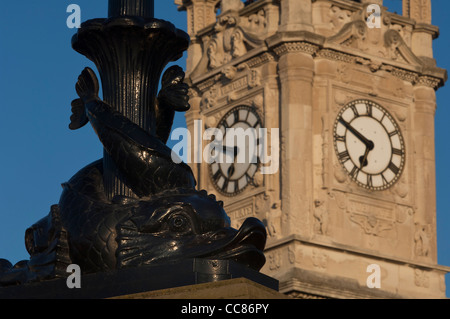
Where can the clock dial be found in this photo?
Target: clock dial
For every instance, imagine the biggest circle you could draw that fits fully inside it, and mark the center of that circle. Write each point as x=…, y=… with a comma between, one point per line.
x=231, y=176
x=369, y=145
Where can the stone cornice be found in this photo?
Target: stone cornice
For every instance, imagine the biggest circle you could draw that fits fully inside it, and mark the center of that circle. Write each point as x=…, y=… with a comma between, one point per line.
x=355, y=251
x=289, y=47
x=317, y=46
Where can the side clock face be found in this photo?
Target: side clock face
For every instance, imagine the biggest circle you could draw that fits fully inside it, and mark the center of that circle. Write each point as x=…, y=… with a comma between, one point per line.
x=231, y=177
x=369, y=145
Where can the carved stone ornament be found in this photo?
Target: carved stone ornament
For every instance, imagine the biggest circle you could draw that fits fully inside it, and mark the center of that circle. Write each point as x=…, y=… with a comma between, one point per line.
x=233, y=37
x=320, y=218
x=390, y=42
x=135, y=206
x=422, y=240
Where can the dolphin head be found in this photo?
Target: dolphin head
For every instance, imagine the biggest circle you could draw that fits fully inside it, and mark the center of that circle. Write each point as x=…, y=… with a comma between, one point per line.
x=188, y=224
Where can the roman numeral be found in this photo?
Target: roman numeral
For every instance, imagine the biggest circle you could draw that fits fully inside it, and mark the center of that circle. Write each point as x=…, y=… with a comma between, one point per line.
x=217, y=175
x=393, y=133
x=355, y=110
x=369, y=180
x=225, y=185
x=236, y=116
x=344, y=156
x=369, y=109
x=340, y=138
x=393, y=168
x=354, y=173
x=396, y=151
x=385, y=182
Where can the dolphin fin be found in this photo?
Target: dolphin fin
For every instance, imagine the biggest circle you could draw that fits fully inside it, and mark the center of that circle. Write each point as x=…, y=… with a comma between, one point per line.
x=87, y=86
x=78, y=119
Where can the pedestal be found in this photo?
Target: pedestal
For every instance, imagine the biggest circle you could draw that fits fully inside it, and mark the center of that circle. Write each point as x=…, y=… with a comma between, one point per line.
x=148, y=279
x=239, y=288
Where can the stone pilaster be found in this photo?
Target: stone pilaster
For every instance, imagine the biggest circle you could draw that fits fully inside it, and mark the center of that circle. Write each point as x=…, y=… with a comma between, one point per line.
x=296, y=15
x=296, y=70
x=424, y=166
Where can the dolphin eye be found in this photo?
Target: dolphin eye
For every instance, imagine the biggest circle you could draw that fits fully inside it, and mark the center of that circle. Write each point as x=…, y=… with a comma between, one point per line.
x=179, y=223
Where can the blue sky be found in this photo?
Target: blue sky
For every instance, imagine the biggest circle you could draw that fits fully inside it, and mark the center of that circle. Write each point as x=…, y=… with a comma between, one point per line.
x=38, y=71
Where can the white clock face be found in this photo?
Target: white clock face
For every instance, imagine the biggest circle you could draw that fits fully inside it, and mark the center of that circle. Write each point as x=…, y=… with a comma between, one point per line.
x=231, y=177
x=369, y=145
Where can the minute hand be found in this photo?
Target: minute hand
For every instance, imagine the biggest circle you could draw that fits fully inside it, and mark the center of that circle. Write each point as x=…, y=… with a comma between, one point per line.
x=369, y=144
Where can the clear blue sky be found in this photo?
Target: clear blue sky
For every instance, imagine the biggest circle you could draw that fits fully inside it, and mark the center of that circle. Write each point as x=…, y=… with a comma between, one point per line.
x=38, y=71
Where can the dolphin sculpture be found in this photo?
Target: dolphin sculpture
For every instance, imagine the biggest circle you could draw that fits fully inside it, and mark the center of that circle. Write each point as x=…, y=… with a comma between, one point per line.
x=168, y=221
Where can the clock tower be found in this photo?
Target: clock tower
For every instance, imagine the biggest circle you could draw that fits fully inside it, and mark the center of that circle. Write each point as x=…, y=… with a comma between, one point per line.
x=346, y=92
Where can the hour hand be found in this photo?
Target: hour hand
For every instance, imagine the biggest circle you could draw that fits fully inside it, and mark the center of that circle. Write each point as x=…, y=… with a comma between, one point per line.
x=363, y=159
x=234, y=149
x=369, y=144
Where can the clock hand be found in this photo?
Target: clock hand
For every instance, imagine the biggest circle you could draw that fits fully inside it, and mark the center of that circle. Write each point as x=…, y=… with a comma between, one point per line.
x=234, y=149
x=369, y=144
x=363, y=159
x=231, y=169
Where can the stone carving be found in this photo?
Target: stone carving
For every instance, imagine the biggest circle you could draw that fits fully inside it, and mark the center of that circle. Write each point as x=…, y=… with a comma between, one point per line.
x=257, y=21
x=215, y=55
x=392, y=41
x=339, y=173
x=259, y=60
x=262, y=203
x=373, y=219
x=229, y=86
x=296, y=47
x=419, y=10
x=340, y=198
x=199, y=14
x=270, y=211
x=274, y=260
x=339, y=16
x=401, y=188
x=239, y=215
x=386, y=42
x=344, y=73
x=319, y=259
x=371, y=225
x=320, y=218
x=227, y=5
x=209, y=98
x=422, y=239
x=233, y=37
x=430, y=81
x=291, y=255
x=421, y=278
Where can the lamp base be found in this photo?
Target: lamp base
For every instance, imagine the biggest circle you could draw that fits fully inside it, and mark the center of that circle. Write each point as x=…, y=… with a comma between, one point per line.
x=140, y=280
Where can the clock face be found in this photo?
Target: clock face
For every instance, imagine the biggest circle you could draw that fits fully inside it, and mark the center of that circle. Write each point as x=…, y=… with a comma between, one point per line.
x=232, y=176
x=369, y=145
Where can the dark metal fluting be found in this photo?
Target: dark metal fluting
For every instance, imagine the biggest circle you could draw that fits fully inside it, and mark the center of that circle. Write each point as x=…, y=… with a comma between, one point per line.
x=139, y=8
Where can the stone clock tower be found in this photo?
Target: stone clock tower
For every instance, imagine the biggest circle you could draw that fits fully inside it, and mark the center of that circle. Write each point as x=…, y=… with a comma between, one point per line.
x=351, y=210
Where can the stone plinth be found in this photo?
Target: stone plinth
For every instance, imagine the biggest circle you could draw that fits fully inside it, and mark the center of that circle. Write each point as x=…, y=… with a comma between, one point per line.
x=239, y=288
